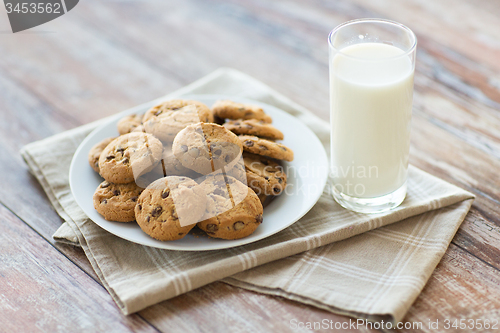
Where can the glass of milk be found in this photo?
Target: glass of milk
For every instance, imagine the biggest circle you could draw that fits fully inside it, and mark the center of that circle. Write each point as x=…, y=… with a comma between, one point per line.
x=372, y=62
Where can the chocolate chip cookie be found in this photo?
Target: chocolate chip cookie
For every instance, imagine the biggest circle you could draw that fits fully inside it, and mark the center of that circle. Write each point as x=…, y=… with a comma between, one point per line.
x=264, y=175
x=235, y=209
x=146, y=178
x=139, y=128
x=116, y=202
x=233, y=110
x=173, y=167
x=254, y=127
x=170, y=207
x=207, y=147
x=129, y=123
x=169, y=166
x=129, y=156
x=168, y=118
x=255, y=145
x=96, y=151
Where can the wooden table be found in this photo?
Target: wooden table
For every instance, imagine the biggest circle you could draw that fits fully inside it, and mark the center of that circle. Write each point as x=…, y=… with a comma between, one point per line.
x=107, y=56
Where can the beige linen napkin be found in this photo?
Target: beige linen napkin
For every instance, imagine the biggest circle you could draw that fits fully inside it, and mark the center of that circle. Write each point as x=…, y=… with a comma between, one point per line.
x=318, y=261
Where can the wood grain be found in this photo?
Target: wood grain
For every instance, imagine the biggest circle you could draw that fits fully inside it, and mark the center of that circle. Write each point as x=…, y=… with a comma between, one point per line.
x=472, y=284
x=42, y=291
x=104, y=57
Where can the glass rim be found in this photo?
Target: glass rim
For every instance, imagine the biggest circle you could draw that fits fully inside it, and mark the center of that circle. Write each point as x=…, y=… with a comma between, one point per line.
x=374, y=20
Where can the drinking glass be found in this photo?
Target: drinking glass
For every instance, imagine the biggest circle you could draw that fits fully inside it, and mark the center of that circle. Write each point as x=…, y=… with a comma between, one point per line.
x=372, y=63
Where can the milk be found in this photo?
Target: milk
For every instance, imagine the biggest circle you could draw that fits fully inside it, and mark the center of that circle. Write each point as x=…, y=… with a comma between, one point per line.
x=371, y=103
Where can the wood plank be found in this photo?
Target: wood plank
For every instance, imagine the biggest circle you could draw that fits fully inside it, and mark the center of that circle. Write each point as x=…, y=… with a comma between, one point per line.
x=214, y=29
x=460, y=25
x=79, y=72
x=27, y=118
x=235, y=310
x=461, y=287
x=42, y=291
x=479, y=236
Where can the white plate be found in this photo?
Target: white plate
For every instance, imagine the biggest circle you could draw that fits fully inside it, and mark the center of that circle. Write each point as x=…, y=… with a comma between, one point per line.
x=307, y=176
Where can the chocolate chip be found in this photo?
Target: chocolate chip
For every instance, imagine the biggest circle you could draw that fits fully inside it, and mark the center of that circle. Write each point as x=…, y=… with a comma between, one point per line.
x=96, y=164
x=259, y=218
x=238, y=225
x=248, y=126
x=175, y=109
x=159, y=112
x=280, y=180
x=217, y=152
x=237, y=123
x=110, y=157
x=165, y=193
x=181, y=233
x=116, y=192
x=249, y=143
x=104, y=201
x=218, y=191
x=120, y=150
x=248, y=113
x=266, y=178
x=212, y=228
x=227, y=159
x=284, y=148
x=277, y=190
x=184, y=148
x=125, y=161
x=157, y=211
x=139, y=206
x=194, y=152
x=105, y=184
x=134, y=198
x=263, y=147
x=148, y=218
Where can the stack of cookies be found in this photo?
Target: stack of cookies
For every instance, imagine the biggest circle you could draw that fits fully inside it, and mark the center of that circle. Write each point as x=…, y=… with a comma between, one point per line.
x=262, y=154
x=174, y=168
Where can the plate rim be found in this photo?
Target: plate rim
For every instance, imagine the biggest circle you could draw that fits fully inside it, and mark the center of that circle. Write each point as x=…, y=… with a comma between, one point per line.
x=222, y=245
